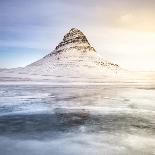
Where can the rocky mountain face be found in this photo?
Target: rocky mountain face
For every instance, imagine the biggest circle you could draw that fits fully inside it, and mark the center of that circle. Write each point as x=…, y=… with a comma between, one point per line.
x=74, y=39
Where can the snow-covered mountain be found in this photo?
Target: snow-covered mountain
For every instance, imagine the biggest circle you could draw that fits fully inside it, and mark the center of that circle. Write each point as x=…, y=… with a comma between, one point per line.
x=73, y=55
x=73, y=59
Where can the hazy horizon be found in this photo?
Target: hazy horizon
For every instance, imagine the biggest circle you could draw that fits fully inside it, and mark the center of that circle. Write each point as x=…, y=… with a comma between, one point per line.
x=122, y=32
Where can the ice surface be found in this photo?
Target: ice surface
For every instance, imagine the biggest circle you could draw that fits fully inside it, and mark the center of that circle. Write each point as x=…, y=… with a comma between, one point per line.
x=75, y=120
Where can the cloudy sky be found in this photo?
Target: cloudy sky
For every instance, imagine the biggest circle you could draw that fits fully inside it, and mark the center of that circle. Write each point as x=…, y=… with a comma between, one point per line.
x=122, y=31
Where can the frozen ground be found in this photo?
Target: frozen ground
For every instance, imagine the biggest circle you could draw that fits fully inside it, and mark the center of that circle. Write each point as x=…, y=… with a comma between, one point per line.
x=77, y=120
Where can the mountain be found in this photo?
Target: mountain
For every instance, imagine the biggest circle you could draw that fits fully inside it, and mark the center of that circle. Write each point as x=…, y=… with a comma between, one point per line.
x=74, y=53
x=74, y=59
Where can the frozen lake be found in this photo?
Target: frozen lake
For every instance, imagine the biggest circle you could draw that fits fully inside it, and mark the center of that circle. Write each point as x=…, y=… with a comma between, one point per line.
x=77, y=120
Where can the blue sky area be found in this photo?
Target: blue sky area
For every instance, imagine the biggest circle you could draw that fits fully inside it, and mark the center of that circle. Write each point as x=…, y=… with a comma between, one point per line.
x=121, y=31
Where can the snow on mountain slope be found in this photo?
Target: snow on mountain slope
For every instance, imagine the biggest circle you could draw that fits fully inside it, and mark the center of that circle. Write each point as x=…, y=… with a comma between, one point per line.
x=73, y=54
x=73, y=59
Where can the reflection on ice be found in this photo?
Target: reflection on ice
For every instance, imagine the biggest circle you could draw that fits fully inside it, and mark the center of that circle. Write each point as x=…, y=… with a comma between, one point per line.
x=32, y=125
x=45, y=120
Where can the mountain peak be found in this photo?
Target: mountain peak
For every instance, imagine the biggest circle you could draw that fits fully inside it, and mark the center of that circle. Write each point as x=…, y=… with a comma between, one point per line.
x=74, y=39
x=74, y=30
x=75, y=35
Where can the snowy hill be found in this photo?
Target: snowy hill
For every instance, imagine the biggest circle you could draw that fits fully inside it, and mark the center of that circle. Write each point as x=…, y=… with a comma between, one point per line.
x=74, y=59
x=74, y=53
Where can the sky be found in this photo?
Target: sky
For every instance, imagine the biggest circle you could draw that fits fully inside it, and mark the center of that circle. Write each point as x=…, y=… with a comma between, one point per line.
x=122, y=31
